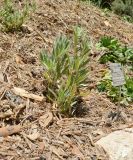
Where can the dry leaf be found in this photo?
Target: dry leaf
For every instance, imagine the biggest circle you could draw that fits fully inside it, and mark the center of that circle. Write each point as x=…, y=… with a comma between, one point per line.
x=46, y=119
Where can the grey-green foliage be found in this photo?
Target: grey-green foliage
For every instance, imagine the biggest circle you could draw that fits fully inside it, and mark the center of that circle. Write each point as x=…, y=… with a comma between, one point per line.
x=13, y=18
x=66, y=73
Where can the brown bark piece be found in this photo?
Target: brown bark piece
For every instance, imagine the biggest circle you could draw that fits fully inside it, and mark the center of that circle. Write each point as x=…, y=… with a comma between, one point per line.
x=46, y=119
x=7, y=131
x=23, y=93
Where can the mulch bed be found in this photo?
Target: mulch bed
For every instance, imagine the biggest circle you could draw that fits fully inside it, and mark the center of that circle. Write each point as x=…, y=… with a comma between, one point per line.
x=45, y=134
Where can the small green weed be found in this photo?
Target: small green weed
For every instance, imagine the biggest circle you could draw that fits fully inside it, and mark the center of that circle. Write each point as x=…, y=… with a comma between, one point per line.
x=105, y=85
x=116, y=53
x=66, y=73
x=12, y=19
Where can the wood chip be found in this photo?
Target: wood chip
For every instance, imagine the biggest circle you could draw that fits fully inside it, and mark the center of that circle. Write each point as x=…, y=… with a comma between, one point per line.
x=76, y=151
x=23, y=93
x=56, y=152
x=46, y=119
x=41, y=147
x=7, y=131
x=107, y=23
x=34, y=136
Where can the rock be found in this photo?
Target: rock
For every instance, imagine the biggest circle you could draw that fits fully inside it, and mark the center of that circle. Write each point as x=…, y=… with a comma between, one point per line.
x=118, y=144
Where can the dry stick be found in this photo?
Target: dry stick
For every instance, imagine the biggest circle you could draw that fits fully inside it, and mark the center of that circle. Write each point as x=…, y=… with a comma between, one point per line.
x=119, y=104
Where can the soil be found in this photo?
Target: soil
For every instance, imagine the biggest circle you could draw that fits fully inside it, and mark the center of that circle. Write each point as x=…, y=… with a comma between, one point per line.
x=45, y=134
